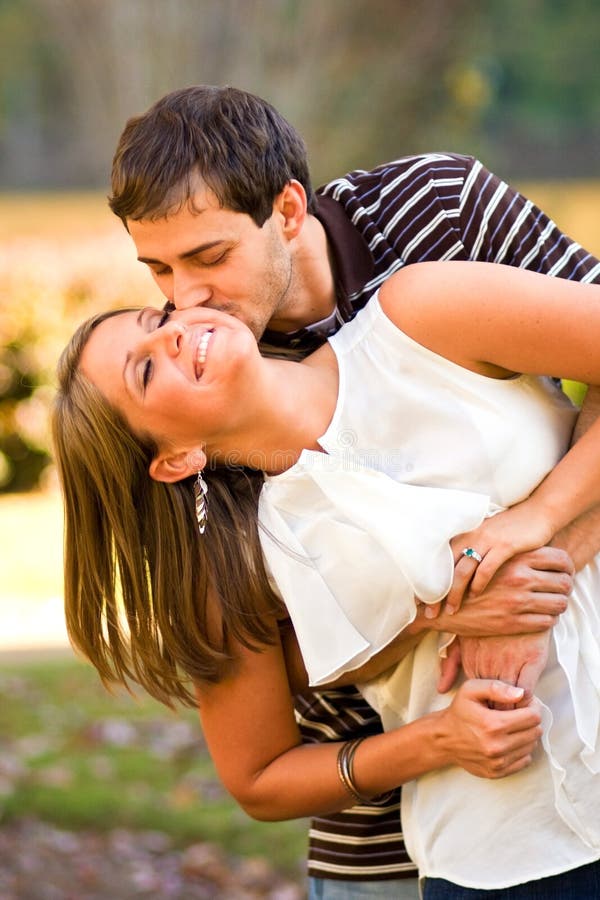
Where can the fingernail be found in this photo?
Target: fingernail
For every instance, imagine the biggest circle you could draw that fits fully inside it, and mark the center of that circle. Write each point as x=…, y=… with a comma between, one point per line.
x=515, y=692
x=429, y=612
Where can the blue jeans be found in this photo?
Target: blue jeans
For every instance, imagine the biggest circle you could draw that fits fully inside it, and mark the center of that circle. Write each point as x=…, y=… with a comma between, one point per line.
x=332, y=889
x=578, y=884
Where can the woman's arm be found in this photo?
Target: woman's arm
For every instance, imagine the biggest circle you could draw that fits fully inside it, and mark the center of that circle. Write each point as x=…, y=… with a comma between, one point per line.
x=497, y=320
x=252, y=736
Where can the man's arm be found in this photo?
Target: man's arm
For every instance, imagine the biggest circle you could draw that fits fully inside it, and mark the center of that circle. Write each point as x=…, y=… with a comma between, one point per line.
x=522, y=660
x=581, y=539
x=496, y=223
x=499, y=224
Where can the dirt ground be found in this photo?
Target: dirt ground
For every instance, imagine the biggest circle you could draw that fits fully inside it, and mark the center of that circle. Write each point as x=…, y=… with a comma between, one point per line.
x=41, y=862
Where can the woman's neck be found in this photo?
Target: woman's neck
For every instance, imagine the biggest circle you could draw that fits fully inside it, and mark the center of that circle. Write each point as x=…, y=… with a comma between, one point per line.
x=295, y=403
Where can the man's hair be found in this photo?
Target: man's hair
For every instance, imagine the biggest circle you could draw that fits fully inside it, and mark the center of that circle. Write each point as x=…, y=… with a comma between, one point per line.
x=237, y=143
x=138, y=576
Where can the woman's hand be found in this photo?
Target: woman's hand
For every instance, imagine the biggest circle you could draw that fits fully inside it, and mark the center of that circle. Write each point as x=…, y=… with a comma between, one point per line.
x=526, y=594
x=490, y=743
x=523, y=527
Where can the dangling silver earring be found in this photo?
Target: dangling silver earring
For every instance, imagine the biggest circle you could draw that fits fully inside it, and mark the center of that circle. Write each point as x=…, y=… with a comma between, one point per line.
x=200, y=494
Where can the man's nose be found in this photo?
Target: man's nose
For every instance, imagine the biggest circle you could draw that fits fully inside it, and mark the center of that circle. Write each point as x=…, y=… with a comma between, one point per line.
x=189, y=292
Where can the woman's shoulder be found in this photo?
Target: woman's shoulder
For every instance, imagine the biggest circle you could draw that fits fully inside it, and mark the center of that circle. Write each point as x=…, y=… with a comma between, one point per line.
x=354, y=331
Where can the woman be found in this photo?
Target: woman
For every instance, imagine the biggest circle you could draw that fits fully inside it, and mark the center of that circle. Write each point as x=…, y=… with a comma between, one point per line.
x=197, y=390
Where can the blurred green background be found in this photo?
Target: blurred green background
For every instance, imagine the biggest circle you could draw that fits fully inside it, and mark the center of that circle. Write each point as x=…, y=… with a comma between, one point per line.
x=514, y=82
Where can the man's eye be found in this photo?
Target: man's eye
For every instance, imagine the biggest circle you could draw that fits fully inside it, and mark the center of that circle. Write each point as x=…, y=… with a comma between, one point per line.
x=159, y=270
x=215, y=260
x=164, y=317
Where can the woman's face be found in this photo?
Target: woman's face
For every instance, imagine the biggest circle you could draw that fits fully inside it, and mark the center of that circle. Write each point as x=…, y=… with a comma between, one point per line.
x=185, y=378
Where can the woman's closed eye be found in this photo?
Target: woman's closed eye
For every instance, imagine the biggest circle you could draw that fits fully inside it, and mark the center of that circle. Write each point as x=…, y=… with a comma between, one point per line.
x=148, y=366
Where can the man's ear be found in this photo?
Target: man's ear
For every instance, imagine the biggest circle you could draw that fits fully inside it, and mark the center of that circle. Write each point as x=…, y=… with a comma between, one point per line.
x=171, y=467
x=291, y=205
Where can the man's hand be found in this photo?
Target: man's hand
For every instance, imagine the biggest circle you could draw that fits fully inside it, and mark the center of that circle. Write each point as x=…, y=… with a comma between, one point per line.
x=524, y=598
x=518, y=660
x=525, y=595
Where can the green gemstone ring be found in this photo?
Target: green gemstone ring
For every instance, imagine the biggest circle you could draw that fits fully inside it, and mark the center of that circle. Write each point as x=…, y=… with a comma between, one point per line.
x=472, y=554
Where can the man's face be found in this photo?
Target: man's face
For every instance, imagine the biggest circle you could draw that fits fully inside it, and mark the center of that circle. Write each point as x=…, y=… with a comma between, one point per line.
x=204, y=255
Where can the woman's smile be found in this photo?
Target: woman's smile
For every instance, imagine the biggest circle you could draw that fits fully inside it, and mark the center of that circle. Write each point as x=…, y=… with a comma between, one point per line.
x=201, y=352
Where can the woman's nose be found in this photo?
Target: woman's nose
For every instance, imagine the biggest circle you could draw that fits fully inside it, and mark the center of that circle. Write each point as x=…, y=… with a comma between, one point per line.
x=169, y=336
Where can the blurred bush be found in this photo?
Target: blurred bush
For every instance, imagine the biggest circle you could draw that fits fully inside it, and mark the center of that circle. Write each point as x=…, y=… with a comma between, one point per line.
x=61, y=259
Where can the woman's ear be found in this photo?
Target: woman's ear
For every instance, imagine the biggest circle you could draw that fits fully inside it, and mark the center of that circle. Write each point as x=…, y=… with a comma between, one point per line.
x=291, y=205
x=171, y=467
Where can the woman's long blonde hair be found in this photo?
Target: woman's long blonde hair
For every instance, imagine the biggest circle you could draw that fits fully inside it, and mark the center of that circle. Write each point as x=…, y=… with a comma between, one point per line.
x=129, y=537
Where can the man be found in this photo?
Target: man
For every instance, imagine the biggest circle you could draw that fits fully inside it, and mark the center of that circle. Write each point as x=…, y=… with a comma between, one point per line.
x=213, y=186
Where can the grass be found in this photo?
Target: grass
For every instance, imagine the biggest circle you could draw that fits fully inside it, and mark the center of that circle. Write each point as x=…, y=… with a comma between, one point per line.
x=82, y=758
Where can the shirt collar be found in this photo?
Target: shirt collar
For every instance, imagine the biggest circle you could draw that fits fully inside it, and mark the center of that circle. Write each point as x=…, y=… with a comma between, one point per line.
x=352, y=267
x=352, y=262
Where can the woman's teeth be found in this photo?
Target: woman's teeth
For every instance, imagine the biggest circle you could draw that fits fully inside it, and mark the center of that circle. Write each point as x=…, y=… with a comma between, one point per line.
x=202, y=348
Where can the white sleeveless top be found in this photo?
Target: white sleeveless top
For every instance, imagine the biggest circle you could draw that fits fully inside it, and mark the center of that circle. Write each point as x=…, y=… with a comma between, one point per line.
x=420, y=449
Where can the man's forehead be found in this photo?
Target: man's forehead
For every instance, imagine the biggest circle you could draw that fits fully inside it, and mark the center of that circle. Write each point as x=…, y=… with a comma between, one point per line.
x=190, y=197
x=193, y=196
x=186, y=232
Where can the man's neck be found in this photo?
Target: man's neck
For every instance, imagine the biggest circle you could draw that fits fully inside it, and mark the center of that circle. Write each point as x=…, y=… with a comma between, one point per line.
x=311, y=295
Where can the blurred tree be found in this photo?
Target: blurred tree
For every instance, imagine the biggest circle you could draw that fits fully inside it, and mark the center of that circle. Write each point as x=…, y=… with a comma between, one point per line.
x=363, y=80
x=33, y=98
x=355, y=76
x=523, y=89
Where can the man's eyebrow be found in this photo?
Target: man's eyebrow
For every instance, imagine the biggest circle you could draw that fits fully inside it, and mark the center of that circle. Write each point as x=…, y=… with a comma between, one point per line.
x=186, y=255
x=139, y=321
